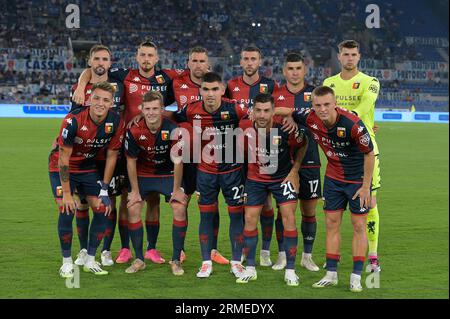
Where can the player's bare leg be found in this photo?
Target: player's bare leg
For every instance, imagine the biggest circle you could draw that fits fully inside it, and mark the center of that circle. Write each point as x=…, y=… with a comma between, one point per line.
x=136, y=231
x=333, y=221
x=124, y=253
x=152, y=228
x=373, y=225
x=179, y=228
x=308, y=226
x=290, y=235
x=96, y=234
x=252, y=214
x=359, y=248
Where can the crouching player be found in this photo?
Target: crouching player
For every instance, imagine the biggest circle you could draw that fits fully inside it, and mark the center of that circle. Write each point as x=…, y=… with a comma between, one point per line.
x=83, y=134
x=153, y=167
x=271, y=170
x=347, y=144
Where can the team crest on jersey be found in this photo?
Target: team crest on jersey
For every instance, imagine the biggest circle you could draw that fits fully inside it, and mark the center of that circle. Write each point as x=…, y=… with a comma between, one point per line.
x=341, y=132
x=165, y=135
x=225, y=115
x=276, y=140
x=356, y=85
x=307, y=96
x=263, y=88
x=59, y=191
x=160, y=79
x=108, y=128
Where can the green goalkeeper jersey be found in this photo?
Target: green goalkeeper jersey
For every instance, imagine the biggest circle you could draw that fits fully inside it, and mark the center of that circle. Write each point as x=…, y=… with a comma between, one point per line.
x=358, y=95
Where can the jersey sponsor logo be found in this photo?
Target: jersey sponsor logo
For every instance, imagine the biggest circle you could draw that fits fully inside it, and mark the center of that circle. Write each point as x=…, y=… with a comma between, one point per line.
x=160, y=79
x=355, y=85
x=365, y=140
x=341, y=132
x=137, y=79
x=78, y=140
x=225, y=115
x=281, y=98
x=64, y=133
x=276, y=140
x=263, y=88
x=236, y=89
x=59, y=191
x=142, y=137
x=133, y=88
x=307, y=96
x=108, y=128
x=373, y=88
x=184, y=86
x=84, y=128
x=165, y=135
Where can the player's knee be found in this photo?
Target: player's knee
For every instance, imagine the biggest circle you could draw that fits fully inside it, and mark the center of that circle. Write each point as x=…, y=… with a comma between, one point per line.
x=179, y=210
x=251, y=221
x=359, y=225
x=332, y=223
x=289, y=220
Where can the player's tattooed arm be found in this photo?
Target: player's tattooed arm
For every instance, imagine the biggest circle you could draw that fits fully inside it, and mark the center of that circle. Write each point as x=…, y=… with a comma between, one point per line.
x=64, y=175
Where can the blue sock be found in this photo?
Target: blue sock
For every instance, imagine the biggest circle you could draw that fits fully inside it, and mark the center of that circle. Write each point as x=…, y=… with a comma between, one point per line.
x=267, y=221
x=97, y=230
x=124, y=233
x=110, y=230
x=205, y=230
x=332, y=261
x=136, y=231
x=236, y=231
x=290, y=245
x=152, y=228
x=65, y=233
x=82, y=219
x=250, y=243
x=279, y=228
x=358, y=263
x=216, y=224
x=309, y=226
x=179, y=228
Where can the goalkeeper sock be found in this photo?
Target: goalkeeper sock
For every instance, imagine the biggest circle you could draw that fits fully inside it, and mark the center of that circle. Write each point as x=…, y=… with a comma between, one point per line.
x=372, y=230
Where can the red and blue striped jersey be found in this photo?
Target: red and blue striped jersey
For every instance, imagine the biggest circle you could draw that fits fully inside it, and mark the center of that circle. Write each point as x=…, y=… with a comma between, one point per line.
x=135, y=86
x=269, y=155
x=185, y=90
x=344, y=144
x=214, y=153
x=243, y=93
x=87, y=138
x=152, y=150
x=299, y=101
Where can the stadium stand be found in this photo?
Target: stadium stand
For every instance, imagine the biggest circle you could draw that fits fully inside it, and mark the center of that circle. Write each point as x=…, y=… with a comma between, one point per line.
x=38, y=64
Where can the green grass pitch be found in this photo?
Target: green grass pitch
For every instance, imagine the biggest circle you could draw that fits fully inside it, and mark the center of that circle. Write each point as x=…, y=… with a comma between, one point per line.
x=413, y=205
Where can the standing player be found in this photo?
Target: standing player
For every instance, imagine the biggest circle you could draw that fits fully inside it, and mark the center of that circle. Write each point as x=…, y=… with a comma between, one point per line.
x=215, y=117
x=358, y=92
x=346, y=142
x=151, y=169
x=136, y=82
x=83, y=134
x=186, y=88
x=244, y=89
x=100, y=63
x=270, y=169
x=296, y=93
